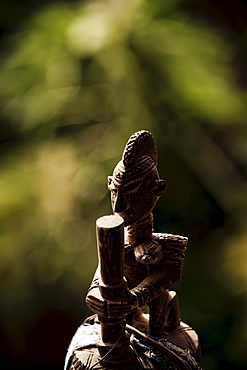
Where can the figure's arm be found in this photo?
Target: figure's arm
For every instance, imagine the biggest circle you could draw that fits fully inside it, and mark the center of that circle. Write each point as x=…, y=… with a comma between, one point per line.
x=164, y=255
x=162, y=277
x=101, y=307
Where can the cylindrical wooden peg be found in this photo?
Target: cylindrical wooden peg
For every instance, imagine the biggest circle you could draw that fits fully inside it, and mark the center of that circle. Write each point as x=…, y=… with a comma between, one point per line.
x=110, y=241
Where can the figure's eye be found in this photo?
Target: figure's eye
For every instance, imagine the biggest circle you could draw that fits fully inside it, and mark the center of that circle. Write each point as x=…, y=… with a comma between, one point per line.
x=132, y=187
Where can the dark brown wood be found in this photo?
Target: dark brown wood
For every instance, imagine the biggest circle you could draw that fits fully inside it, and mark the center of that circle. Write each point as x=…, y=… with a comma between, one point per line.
x=110, y=242
x=137, y=268
x=112, y=286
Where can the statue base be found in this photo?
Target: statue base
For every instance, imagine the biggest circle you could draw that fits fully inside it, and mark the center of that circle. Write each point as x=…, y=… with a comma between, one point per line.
x=178, y=349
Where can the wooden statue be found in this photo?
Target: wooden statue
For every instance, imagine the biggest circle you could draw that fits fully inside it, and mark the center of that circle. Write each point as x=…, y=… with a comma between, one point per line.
x=137, y=321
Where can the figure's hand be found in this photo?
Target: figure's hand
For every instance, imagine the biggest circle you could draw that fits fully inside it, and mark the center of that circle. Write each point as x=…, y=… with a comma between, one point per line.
x=124, y=306
x=118, y=308
x=95, y=302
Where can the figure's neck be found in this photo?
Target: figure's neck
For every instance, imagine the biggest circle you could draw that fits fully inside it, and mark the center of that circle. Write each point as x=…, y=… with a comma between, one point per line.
x=141, y=230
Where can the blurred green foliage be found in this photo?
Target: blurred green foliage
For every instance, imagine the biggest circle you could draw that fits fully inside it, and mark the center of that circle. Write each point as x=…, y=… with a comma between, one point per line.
x=76, y=80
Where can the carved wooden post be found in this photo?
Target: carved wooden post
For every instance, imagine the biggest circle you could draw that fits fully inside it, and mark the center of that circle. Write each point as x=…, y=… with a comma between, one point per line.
x=110, y=241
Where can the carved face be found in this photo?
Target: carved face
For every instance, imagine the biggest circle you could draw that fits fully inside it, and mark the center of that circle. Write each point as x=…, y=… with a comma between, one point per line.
x=134, y=199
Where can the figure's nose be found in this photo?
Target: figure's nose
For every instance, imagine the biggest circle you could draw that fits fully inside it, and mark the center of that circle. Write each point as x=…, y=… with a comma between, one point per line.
x=121, y=203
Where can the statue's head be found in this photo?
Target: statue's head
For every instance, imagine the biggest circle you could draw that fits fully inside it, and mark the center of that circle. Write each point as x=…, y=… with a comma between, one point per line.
x=135, y=184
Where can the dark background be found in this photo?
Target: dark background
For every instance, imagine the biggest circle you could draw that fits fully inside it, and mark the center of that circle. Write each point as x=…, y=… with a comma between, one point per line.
x=76, y=80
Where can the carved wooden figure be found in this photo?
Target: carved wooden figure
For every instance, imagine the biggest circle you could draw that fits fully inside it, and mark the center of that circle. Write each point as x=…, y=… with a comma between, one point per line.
x=137, y=321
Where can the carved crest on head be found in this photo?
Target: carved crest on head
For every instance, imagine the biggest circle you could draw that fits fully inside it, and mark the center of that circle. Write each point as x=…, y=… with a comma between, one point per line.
x=140, y=144
x=139, y=157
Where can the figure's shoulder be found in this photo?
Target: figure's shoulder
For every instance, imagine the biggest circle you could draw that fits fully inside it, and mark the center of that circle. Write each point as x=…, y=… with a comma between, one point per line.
x=172, y=247
x=171, y=241
x=168, y=248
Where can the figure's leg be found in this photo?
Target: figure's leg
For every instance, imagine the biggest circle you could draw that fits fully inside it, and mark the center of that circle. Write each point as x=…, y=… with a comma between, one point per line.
x=164, y=313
